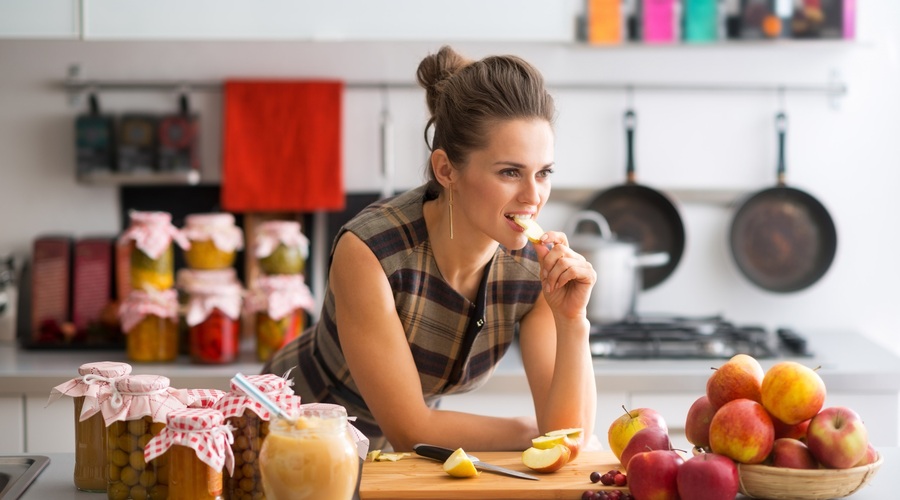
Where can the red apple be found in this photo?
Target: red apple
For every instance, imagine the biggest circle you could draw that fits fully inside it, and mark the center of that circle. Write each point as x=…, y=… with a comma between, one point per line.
x=795, y=431
x=739, y=378
x=792, y=454
x=870, y=457
x=623, y=428
x=837, y=437
x=653, y=474
x=792, y=392
x=647, y=439
x=743, y=431
x=708, y=476
x=546, y=460
x=696, y=425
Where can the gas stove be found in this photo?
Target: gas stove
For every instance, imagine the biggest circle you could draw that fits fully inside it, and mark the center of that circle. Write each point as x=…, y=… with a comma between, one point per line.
x=681, y=337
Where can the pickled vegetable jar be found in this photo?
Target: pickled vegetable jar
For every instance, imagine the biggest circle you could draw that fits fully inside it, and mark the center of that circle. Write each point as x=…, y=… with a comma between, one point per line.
x=213, y=316
x=278, y=301
x=150, y=322
x=197, y=444
x=215, y=240
x=280, y=247
x=150, y=237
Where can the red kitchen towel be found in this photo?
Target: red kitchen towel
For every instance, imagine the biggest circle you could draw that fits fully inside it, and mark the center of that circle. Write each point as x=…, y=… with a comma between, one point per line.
x=282, y=146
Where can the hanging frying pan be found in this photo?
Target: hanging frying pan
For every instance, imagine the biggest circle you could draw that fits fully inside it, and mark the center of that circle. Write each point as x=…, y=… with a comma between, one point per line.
x=782, y=238
x=643, y=215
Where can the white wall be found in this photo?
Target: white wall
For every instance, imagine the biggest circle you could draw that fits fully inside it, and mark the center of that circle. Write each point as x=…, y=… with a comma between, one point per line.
x=847, y=157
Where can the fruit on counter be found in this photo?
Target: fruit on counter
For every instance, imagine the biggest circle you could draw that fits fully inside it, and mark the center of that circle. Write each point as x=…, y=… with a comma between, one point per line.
x=792, y=454
x=708, y=476
x=532, y=230
x=653, y=475
x=459, y=464
x=546, y=460
x=607, y=495
x=696, y=424
x=742, y=430
x=740, y=377
x=623, y=428
x=870, y=457
x=572, y=437
x=647, y=439
x=792, y=392
x=796, y=431
x=837, y=437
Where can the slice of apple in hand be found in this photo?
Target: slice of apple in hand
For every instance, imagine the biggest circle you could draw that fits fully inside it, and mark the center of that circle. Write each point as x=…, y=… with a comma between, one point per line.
x=532, y=230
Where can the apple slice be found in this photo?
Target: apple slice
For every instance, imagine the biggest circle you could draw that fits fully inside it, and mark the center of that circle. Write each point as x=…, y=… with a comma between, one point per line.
x=548, y=460
x=459, y=464
x=532, y=230
x=572, y=438
x=547, y=442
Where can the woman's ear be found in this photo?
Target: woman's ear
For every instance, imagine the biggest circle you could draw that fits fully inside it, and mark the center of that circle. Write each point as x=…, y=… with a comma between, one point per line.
x=442, y=168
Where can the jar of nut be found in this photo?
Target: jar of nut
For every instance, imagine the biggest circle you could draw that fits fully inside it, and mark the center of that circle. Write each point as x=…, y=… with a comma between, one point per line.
x=204, y=398
x=215, y=240
x=134, y=412
x=198, y=446
x=250, y=421
x=93, y=383
x=280, y=247
x=150, y=320
x=278, y=302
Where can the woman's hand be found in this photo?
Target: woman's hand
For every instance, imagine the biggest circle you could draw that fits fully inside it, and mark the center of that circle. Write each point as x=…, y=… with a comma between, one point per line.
x=566, y=276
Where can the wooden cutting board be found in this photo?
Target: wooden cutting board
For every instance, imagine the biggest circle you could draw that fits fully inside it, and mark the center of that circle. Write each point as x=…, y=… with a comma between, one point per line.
x=417, y=477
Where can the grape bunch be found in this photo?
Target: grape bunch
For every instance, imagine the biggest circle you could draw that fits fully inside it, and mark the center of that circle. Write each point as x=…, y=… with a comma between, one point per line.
x=612, y=477
x=606, y=495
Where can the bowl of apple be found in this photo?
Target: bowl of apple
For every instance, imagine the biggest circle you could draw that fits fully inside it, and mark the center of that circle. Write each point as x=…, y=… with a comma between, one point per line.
x=783, y=483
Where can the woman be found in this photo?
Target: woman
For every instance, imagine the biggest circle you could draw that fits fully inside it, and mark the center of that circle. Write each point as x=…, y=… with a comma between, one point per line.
x=427, y=289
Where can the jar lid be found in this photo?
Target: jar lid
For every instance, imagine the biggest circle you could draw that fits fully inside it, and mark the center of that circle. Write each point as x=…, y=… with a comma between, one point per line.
x=272, y=233
x=201, y=429
x=279, y=295
x=278, y=389
x=219, y=219
x=137, y=396
x=218, y=227
x=205, y=398
x=186, y=278
x=140, y=303
x=204, y=299
x=153, y=233
x=94, y=381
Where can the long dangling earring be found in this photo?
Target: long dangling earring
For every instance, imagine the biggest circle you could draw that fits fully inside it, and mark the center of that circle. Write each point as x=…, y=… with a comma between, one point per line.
x=451, y=211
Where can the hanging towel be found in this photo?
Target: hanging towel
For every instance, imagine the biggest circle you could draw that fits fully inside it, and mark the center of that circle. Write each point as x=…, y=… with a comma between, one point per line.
x=282, y=146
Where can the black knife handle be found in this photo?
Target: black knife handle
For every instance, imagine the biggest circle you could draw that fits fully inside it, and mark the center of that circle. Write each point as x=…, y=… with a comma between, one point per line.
x=431, y=451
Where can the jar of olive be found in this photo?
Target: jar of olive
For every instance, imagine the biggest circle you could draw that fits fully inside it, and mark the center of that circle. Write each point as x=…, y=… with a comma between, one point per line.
x=250, y=422
x=150, y=321
x=197, y=444
x=150, y=237
x=92, y=384
x=280, y=247
x=278, y=303
x=135, y=412
x=215, y=240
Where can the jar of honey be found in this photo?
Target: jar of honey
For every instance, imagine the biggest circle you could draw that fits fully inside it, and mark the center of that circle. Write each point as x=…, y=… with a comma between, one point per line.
x=215, y=240
x=278, y=302
x=150, y=237
x=280, y=247
x=93, y=383
x=213, y=318
x=150, y=321
x=198, y=446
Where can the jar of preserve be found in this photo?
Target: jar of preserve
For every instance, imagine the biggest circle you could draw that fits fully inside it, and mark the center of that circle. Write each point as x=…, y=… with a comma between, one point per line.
x=280, y=247
x=150, y=236
x=213, y=319
x=204, y=398
x=278, y=303
x=150, y=322
x=134, y=412
x=250, y=421
x=94, y=382
x=198, y=446
x=214, y=240
x=312, y=456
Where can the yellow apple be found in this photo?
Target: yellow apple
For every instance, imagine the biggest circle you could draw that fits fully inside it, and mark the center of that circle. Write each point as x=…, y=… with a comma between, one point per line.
x=623, y=428
x=547, y=460
x=572, y=438
x=792, y=392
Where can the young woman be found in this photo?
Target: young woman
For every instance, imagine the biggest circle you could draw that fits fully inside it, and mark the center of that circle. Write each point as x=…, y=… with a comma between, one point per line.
x=427, y=290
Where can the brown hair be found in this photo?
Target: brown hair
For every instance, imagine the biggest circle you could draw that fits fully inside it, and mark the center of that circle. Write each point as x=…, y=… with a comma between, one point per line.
x=465, y=97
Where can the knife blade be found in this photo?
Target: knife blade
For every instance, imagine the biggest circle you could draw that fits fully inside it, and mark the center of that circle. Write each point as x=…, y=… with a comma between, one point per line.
x=442, y=454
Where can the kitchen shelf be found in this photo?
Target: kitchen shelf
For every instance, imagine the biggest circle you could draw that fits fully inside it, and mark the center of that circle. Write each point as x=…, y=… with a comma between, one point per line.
x=190, y=177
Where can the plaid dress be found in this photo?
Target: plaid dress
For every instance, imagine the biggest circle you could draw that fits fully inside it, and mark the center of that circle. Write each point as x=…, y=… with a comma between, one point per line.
x=455, y=343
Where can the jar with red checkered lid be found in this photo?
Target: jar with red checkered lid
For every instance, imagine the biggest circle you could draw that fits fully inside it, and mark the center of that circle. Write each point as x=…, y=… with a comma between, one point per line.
x=278, y=303
x=150, y=237
x=250, y=421
x=150, y=322
x=280, y=247
x=215, y=239
x=197, y=443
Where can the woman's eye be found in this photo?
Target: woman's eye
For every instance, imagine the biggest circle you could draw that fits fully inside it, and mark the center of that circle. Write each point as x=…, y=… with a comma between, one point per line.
x=547, y=172
x=510, y=172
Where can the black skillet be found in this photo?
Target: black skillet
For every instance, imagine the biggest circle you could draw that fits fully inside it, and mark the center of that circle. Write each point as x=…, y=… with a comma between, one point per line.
x=782, y=238
x=643, y=215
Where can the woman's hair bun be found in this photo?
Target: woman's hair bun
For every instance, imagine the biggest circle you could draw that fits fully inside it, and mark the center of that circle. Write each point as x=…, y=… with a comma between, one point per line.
x=436, y=69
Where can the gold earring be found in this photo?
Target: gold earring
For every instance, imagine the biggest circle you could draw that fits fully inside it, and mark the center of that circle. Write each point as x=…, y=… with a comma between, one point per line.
x=451, y=211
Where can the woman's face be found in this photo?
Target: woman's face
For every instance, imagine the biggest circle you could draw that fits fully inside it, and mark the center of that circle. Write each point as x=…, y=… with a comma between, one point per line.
x=511, y=176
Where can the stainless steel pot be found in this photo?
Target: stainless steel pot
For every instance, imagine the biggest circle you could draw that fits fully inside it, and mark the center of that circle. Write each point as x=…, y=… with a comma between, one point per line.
x=618, y=265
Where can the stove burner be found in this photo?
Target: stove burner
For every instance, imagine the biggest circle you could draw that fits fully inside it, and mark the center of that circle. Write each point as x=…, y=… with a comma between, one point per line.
x=680, y=337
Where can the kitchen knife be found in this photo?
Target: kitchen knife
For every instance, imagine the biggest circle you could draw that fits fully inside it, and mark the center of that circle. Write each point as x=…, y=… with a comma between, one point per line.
x=442, y=454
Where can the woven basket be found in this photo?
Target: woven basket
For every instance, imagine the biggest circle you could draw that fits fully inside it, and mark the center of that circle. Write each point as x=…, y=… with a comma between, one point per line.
x=779, y=483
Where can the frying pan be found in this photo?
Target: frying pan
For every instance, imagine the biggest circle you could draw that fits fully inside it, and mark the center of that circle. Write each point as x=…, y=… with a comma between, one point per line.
x=643, y=215
x=782, y=238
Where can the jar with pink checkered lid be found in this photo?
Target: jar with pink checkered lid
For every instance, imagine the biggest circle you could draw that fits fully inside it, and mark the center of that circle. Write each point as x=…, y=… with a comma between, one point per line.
x=215, y=240
x=280, y=247
x=278, y=303
x=213, y=319
x=94, y=382
x=150, y=237
x=204, y=398
x=136, y=410
x=150, y=321
x=250, y=421
x=197, y=443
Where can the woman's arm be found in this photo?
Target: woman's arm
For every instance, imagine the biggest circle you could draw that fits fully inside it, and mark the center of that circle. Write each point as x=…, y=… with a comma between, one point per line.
x=382, y=365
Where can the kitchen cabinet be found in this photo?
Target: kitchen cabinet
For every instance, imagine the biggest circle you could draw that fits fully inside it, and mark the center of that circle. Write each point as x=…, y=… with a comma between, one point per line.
x=49, y=429
x=12, y=416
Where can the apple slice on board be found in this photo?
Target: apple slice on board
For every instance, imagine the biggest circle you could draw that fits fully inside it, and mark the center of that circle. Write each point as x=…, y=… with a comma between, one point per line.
x=547, y=460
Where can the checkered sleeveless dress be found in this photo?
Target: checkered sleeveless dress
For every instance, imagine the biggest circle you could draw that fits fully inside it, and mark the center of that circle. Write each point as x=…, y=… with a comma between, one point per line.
x=455, y=343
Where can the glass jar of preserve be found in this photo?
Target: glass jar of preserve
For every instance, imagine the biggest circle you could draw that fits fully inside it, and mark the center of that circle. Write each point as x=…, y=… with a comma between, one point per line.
x=135, y=412
x=250, y=422
x=213, y=318
x=215, y=240
x=280, y=247
x=278, y=302
x=150, y=321
x=312, y=457
x=150, y=236
x=204, y=398
x=198, y=446
x=94, y=382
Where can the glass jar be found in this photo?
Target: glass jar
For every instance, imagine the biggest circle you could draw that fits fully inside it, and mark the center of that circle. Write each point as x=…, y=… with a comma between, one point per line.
x=312, y=457
x=272, y=334
x=150, y=321
x=148, y=272
x=281, y=248
x=278, y=301
x=213, y=318
x=150, y=237
x=215, y=240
